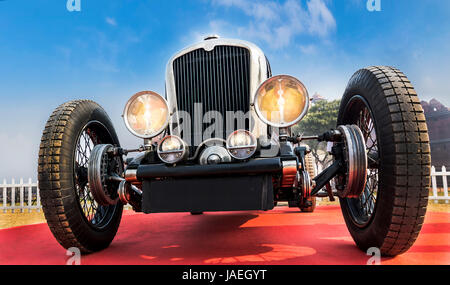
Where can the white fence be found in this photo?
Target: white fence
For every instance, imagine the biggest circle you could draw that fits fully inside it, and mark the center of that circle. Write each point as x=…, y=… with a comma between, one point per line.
x=19, y=196
x=436, y=195
x=22, y=196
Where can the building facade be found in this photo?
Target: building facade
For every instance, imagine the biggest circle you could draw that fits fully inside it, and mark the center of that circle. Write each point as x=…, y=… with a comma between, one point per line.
x=438, y=121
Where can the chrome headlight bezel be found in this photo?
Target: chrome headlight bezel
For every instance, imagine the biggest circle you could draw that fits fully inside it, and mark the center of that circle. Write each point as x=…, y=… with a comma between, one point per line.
x=126, y=109
x=286, y=124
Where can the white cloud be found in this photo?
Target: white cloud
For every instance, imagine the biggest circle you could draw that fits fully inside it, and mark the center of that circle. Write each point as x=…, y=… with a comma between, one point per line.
x=308, y=49
x=102, y=65
x=218, y=27
x=278, y=23
x=111, y=21
x=21, y=155
x=321, y=19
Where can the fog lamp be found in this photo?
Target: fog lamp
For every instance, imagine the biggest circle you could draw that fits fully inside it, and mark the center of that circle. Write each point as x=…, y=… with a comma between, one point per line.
x=241, y=144
x=172, y=149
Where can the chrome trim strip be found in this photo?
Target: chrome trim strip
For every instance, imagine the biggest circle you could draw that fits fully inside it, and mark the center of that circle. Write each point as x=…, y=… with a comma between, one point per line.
x=131, y=175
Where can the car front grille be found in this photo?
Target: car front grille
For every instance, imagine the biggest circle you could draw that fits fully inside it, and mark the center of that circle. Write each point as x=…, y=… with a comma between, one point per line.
x=219, y=80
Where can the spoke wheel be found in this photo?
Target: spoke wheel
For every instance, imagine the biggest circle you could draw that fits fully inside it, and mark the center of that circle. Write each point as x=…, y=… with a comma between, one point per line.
x=72, y=214
x=389, y=212
x=96, y=215
x=310, y=167
x=363, y=207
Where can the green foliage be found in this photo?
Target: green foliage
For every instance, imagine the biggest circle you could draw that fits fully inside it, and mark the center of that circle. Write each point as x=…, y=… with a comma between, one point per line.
x=321, y=117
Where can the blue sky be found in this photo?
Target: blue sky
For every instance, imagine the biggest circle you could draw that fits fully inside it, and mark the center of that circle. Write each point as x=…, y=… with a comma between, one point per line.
x=112, y=49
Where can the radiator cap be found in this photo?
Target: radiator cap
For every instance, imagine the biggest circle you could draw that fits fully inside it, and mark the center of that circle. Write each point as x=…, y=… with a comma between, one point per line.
x=211, y=37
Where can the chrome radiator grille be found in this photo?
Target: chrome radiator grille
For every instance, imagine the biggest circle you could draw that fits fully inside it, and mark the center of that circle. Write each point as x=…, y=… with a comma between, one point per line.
x=219, y=80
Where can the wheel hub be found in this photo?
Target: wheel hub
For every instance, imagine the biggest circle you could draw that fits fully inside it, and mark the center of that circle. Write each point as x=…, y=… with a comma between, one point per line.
x=353, y=182
x=101, y=167
x=306, y=185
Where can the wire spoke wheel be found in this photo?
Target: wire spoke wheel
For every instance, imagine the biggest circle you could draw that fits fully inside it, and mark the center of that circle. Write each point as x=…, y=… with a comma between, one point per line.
x=74, y=217
x=311, y=172
x=389, y=212
x=97, y=215
x=363, y=207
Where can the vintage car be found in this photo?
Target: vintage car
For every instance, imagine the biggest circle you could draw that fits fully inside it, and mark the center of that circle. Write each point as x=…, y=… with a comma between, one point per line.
x=221, y=140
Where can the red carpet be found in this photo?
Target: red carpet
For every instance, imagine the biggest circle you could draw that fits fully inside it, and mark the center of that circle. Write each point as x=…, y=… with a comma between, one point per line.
x=281, y=236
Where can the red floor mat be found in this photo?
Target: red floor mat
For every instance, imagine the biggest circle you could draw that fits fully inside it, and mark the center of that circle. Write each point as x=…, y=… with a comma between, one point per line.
x=281, y=236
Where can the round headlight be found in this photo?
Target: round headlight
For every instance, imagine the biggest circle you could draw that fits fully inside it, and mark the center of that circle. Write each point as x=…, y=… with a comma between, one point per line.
x=281, y=101
x=146, y=114
x=241, y=144
x=172, y=149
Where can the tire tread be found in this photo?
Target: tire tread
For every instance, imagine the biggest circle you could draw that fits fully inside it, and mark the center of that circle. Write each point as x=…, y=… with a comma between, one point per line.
x=54, y=178
x=407, y=165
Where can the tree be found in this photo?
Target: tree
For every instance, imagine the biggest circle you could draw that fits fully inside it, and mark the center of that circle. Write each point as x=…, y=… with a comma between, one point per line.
x=322, y=116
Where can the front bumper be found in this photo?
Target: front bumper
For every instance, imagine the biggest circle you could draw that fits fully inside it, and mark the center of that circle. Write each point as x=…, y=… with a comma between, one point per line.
x=206, y=194
x=252, y=167
x=198, y=188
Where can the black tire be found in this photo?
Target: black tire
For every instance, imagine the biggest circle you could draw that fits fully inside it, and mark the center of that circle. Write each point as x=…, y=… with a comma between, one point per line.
x=310, y=164
x=196, y=213
x=390, y=213
x=73, y=216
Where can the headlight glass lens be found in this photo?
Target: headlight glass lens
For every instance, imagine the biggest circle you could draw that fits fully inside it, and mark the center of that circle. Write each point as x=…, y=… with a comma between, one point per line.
x=241, y=144
x=171, y=143
x=146, y=114
x=172, y=149
x=281, y=101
